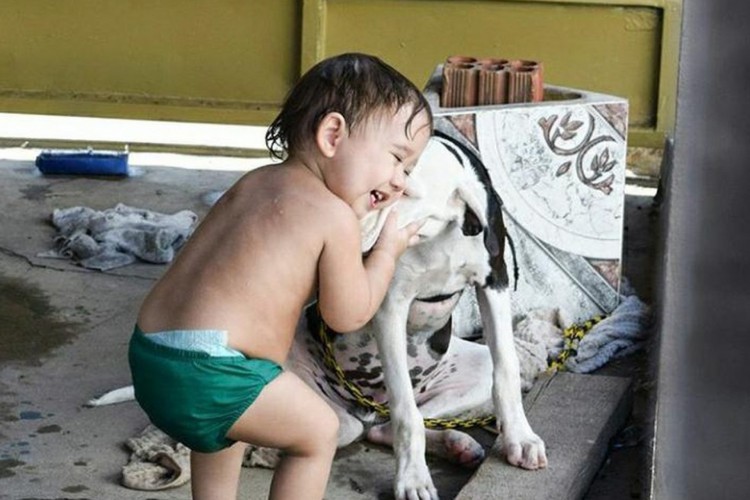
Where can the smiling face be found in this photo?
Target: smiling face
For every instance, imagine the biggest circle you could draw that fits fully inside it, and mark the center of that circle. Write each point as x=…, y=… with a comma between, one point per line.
x=369, y=168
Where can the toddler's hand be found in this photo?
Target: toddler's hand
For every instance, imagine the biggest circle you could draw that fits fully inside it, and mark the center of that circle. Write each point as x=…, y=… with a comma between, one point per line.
x=394, y=240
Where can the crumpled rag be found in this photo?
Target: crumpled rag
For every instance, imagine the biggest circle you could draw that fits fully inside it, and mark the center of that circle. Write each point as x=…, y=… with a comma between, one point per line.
x=118, y=236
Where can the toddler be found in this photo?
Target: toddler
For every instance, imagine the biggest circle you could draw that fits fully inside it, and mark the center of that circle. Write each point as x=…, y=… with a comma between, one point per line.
x=214, y=331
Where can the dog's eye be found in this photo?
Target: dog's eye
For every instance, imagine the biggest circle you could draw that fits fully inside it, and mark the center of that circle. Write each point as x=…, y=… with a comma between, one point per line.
x=471, y=225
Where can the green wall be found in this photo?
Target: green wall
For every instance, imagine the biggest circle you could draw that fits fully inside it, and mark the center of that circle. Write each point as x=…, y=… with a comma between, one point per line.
x=232, y=61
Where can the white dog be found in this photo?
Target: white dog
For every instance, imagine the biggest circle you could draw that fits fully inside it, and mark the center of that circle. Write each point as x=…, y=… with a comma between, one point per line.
x=407, y=356
x=406, y=365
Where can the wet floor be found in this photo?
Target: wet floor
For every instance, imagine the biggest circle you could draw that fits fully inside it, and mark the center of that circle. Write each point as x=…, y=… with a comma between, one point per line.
x=28, y=323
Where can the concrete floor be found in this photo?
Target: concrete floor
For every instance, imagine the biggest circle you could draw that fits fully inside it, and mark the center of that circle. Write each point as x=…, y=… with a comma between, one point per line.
x=64, y=330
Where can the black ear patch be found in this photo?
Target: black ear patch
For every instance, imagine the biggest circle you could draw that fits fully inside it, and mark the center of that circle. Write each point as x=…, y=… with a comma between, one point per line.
x=492, y=241
x=495, y=234
x=471, y=225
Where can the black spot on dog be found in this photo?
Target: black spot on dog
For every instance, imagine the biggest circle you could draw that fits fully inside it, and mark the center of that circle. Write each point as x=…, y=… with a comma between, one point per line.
x=411, y=349
x=365, y=359
x=341, y=346
x=364, y=342
x=441, y=339
x=429, y=370
x=373, y=380
x=362, y=375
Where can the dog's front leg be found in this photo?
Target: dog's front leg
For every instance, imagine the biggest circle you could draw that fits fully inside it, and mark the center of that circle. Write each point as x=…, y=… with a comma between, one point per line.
x=413, y=479
x=521, y=446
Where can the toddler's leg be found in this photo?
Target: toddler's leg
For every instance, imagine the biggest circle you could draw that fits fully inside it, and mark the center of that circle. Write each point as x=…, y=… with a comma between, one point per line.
x=291, y=416
x=215, y=476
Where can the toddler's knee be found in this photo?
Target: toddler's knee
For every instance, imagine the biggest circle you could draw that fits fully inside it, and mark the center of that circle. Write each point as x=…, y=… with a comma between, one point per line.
x=321, y=436
x=329, y=426
x=326, y=433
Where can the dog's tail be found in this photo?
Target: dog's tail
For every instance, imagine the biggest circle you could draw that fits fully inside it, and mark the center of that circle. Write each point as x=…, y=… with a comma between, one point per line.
x=112, y=397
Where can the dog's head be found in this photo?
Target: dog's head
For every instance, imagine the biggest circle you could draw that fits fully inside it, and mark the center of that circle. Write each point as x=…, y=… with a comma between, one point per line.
x=441, y=191
x=451, y=185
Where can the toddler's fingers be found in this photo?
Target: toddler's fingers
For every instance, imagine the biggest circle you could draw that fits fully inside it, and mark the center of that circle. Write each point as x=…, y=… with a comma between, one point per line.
x=415, y=226
x=412, y=229
x=392, y=218
x=390, y=225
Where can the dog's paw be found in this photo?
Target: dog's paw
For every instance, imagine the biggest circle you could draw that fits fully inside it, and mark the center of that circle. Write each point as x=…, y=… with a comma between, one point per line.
x=526, y=451
x=415, y=485
x=458, y=447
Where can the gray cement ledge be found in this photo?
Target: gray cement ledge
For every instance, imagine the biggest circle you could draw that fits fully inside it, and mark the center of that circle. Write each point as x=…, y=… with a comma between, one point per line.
x=576, y=415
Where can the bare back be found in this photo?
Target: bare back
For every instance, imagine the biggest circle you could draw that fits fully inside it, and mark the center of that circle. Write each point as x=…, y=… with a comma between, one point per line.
x=252, y=263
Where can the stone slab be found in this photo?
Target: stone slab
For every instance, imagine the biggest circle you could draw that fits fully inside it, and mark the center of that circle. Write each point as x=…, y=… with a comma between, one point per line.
x=576, y=415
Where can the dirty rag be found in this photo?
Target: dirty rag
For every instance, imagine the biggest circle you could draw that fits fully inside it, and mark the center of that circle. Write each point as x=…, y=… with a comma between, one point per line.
x=157, y=462
x=621, y=333
x=118, y=236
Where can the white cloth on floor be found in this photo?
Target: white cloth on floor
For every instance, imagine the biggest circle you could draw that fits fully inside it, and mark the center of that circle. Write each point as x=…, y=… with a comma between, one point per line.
x=157, y=462
x=118, y=236
x=622, y=332
x=539, y=339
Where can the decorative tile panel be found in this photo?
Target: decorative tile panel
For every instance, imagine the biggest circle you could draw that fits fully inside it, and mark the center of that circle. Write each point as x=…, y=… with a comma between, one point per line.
x=559, y=168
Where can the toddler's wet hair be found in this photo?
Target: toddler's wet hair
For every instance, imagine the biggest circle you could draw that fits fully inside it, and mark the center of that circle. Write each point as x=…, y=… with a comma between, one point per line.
x=355, y=85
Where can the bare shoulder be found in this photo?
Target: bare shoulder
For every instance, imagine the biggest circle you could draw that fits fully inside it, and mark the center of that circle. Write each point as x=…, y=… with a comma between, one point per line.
x=291, y=196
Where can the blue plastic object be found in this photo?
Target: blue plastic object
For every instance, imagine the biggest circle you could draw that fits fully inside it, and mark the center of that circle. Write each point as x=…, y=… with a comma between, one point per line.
x=83, y=162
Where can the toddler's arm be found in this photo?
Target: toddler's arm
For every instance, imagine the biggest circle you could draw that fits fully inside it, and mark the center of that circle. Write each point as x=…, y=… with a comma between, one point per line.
x=351, y=289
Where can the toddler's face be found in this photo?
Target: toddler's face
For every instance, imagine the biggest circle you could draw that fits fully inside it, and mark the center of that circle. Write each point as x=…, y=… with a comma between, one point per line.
x=376, y=159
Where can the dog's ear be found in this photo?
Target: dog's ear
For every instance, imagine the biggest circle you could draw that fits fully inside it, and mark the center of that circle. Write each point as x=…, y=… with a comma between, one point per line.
x=492, y=240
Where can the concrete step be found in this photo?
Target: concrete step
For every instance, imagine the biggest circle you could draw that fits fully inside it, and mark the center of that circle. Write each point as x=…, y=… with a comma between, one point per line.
x=577, y=416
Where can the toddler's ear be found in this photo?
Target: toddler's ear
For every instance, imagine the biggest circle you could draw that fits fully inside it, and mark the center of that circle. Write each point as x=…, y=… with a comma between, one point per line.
x=331, y=130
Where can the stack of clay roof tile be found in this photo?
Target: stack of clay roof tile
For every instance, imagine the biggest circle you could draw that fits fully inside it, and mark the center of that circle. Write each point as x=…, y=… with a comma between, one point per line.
x=468, y=81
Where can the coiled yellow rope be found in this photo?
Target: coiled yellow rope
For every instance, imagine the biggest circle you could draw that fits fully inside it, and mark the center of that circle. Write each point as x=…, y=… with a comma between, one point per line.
x=571, y=338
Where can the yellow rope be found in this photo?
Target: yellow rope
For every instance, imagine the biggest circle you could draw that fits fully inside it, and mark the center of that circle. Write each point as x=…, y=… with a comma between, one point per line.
x=571, y=338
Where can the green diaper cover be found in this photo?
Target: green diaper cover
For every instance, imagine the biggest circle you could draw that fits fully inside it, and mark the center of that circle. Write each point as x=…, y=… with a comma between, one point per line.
x=194, y=396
